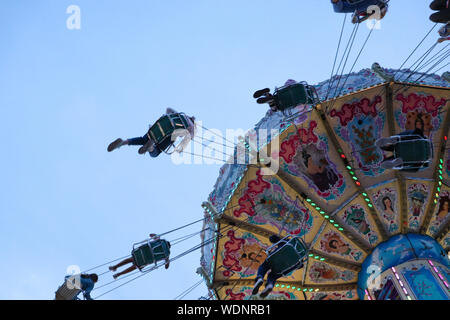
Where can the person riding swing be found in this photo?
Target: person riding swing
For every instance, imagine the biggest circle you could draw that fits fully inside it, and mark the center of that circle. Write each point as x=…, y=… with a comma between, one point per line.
x=412, y=151
x=291, y=95
x=284, y=256
x=162, y=135
x=148, y=252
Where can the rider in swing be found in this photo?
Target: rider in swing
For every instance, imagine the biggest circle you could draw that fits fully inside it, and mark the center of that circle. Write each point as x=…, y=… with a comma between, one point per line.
x=264, y=268
x=148, y=144
x=132, y=261
x=411, y=137
x=442, y=16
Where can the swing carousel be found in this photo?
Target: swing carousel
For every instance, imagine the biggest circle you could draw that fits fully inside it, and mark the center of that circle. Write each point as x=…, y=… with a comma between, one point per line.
x=352, y=175
x=370, y=233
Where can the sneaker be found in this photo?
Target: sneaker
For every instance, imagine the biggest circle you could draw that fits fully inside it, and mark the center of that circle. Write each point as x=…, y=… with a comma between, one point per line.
x=266, y=291
x=267, y=99
x=142, y=150
x=112, y=269
x=440, y=16
x=437, y=5
x=149, y=146
x=258, y=284
x=115, y=144
x=392, y=164
x=261, y=93
x=384, y=142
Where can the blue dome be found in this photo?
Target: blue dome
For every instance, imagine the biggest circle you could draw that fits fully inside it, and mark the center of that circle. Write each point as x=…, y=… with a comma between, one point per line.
x=397, y=250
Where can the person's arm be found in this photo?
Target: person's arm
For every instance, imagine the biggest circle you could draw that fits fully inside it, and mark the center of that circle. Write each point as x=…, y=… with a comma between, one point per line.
x=167, y=263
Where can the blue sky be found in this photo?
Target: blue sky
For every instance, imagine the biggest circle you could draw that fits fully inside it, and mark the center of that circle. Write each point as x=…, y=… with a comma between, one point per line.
x=66, y=94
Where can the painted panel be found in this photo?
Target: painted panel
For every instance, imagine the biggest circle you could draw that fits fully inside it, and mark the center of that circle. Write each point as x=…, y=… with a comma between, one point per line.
x=423, y=284
x=441, y=214
x=357, y=217
x=418, y=194
x=421, y=108
x=445, y=242
x=339, y=295
x=358, y=122
x=324, y=273
x=245, y=293
x=387, y=204
x=239, y=254
x=336, y=244
x=269, y=203
x=306, y=153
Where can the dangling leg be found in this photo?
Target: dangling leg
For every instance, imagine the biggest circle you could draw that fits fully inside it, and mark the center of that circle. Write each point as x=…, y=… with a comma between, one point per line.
x=144, y=141
x=271, y=279
x=262, y=270
x=389, y=164
x=139, y=141
x=386, y=144
x=120, y=264
x=130, y=269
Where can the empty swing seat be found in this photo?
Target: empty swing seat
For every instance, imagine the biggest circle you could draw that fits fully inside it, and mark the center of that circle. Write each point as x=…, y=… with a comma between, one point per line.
x=289, y=256
x=151, y=252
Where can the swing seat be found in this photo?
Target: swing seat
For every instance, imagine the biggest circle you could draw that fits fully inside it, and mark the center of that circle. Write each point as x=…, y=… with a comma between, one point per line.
x=283, y=260
x=350, y=6
x=415, y=152
x=150, y=252
x=67, y=291
x=290, y=96
x=161, y=132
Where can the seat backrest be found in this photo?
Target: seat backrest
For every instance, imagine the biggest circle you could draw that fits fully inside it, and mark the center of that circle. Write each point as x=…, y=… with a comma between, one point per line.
x=288, y=256
x=143, y=256
x=416, y=150
x=162, y=130
x=160, y=249
x=290, y=96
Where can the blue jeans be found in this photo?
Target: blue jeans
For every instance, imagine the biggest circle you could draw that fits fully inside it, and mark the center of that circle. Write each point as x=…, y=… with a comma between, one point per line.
x=271, y=278
x=140, y=141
